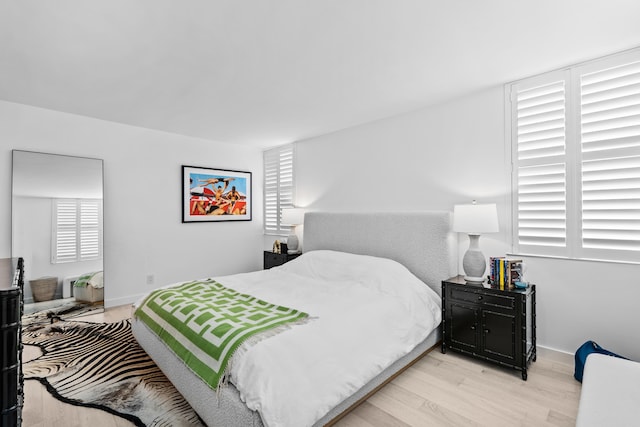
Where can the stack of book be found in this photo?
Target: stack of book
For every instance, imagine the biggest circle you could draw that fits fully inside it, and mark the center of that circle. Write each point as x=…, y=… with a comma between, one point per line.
x=504, y=273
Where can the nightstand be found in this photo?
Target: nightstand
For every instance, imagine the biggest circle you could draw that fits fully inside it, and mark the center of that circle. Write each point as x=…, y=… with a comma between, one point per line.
x=490, y=324
x=272, y=259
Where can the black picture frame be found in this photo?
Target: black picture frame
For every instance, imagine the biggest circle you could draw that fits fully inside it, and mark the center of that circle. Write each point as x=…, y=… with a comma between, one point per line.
x=215, y=195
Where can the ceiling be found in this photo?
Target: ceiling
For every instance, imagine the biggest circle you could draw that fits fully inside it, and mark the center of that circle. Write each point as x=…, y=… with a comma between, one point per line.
x=268, y=72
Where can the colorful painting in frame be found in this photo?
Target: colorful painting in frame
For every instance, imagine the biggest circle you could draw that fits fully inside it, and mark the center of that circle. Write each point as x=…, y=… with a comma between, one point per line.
x=210, y=195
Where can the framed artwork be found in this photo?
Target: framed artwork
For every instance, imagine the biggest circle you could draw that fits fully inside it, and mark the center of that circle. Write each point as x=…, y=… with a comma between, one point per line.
x=210, y=195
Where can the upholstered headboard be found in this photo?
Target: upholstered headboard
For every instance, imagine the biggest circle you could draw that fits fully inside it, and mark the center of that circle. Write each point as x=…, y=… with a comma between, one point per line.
x=421, y=241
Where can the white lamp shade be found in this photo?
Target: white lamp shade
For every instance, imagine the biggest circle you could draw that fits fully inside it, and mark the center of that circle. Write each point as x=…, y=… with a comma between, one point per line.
x=475, y=219
x=292, y=216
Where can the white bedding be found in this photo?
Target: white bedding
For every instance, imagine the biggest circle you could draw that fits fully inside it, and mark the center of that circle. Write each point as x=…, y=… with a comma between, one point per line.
x=366, y=313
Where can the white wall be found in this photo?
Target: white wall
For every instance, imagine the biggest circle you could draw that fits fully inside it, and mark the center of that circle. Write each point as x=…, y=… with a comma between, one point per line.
x=143, y=233
x=436, y=157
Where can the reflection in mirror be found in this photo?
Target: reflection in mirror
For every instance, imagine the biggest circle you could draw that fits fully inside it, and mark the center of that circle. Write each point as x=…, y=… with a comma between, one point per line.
x=57, y=204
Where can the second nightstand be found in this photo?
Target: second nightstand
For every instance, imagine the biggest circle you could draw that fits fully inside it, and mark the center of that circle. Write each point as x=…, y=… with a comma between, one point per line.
x=272, y=259
x=490, y=324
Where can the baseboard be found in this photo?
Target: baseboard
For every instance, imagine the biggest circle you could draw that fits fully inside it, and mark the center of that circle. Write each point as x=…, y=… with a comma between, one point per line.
x=114, y=302
x=555, y=355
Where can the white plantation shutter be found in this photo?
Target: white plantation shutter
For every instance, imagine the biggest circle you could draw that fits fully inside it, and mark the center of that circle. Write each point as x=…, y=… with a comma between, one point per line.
x=542, y=212
x=576, y=161
x=65, y=231
x=77, y=230
x=610, y=144
x=89, y=229
x=540, y=150
x=278, y=187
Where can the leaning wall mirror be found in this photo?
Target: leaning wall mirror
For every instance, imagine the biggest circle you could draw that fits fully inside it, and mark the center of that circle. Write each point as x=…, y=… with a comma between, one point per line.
x=57, y=205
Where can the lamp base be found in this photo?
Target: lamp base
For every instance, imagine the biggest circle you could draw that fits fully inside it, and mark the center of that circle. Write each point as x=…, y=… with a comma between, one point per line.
x=473, y=261
x=292, y=243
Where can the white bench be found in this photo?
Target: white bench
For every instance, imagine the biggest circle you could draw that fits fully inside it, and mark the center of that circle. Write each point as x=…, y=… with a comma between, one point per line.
x=610, y=393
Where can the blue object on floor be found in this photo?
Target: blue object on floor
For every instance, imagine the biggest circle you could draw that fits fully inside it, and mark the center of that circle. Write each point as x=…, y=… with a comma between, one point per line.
x=585, y=350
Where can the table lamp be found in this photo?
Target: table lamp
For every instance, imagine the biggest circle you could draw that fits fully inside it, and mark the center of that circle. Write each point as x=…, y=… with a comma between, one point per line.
x=475, y=220
x=292, y=217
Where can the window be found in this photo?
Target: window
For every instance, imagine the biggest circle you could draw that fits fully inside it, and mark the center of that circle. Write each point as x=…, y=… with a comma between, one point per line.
x=278, y=187
x=77, y=230
x=575, y=143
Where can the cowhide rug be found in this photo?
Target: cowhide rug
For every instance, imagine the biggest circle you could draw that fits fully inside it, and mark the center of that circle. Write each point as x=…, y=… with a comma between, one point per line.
x=101, y=365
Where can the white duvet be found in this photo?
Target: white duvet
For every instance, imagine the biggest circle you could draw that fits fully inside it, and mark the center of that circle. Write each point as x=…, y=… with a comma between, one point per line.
x=366, y=313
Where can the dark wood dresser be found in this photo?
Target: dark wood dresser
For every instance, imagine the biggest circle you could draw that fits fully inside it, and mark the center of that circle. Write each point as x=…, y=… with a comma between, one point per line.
x=11, y=308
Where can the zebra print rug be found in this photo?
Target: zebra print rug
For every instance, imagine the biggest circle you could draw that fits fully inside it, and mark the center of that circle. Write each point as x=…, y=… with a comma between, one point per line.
x=101, y=365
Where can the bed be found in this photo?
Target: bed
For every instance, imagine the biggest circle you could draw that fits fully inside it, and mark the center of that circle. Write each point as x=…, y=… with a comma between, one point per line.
x=421, y=242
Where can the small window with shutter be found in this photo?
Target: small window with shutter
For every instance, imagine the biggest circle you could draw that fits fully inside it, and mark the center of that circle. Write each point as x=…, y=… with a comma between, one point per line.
x=77, y=230
x=279, y=187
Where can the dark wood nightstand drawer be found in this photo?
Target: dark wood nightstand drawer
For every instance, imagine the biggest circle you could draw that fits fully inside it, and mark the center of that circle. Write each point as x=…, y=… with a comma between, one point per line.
x=503, y=301
x=479, y=296
x=465, y=295
x=272, y=259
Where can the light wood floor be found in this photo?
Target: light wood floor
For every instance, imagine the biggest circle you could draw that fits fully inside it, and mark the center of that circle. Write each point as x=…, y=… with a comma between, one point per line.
x=439, y=390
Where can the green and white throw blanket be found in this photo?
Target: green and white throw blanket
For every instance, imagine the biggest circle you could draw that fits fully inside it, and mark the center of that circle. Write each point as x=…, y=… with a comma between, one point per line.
x=204, y=323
